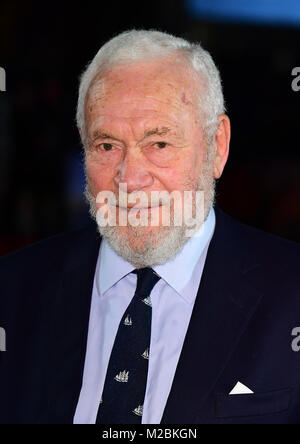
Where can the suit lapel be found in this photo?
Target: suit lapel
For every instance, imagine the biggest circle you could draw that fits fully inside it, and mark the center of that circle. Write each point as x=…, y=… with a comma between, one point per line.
x=224, y=305
x=69, y=328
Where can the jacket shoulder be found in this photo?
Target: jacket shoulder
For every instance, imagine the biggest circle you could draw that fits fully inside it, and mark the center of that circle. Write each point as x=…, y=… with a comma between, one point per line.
x=269, y=247
x=44, y=250
x=46, y=259
x=274, y=260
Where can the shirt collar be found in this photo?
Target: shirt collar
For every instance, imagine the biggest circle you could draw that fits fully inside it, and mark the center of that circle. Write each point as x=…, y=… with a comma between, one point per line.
x=112, y=267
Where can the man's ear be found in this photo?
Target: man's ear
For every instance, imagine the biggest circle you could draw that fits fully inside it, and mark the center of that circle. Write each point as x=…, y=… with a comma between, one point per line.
x=222, y=139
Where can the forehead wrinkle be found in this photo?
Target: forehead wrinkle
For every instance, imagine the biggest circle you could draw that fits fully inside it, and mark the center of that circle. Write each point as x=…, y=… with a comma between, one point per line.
x=107, y=89
x=95, y=93
x=148, y=80
x=108, y=105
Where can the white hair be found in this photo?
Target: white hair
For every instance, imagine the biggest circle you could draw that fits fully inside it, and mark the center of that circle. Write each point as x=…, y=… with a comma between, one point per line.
x=139, y=45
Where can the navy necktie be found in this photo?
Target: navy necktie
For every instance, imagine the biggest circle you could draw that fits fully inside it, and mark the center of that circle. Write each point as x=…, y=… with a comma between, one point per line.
x=126, y=378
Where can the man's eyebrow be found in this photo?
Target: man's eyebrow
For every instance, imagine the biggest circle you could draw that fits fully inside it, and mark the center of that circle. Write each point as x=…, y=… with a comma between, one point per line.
x=99, y=134
x=159, y=131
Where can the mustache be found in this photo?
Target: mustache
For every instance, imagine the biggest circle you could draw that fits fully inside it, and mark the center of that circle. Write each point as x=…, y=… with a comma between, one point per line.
x=143, y=199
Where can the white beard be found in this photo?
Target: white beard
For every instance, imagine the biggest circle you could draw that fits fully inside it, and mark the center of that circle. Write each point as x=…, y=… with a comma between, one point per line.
x=164, y=242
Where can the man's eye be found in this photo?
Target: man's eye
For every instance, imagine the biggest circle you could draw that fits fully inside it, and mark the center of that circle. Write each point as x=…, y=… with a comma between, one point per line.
x=161, y=144
x=106, y=146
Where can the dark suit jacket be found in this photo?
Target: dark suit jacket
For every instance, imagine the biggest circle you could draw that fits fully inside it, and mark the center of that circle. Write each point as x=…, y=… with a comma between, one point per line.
x=248, y=303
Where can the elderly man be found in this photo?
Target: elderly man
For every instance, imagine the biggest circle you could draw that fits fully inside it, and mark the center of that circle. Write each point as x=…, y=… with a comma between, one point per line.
x=175, y=313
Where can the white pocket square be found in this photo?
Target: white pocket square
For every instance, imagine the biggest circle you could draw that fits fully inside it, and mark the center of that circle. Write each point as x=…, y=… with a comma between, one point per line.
x=240, y=389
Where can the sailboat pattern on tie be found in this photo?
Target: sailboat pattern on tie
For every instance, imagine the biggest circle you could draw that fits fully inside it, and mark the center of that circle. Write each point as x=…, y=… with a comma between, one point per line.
x=147, y=301
x=146, y=354
x=128, y=320
x=139, y=410
x=122, y=376
x=130, y=351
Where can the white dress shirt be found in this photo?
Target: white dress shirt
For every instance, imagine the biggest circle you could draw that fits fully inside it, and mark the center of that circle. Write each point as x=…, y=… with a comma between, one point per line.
x=172, y=300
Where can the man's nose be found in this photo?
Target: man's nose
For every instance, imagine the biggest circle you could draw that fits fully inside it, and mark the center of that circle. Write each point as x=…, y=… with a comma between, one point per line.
x=133, y=173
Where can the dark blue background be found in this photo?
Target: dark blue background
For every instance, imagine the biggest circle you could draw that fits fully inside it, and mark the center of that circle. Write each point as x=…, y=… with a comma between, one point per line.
x=44, y=46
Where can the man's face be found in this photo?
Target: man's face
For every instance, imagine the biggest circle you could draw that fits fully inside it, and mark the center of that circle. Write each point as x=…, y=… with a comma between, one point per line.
x=144, y=130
